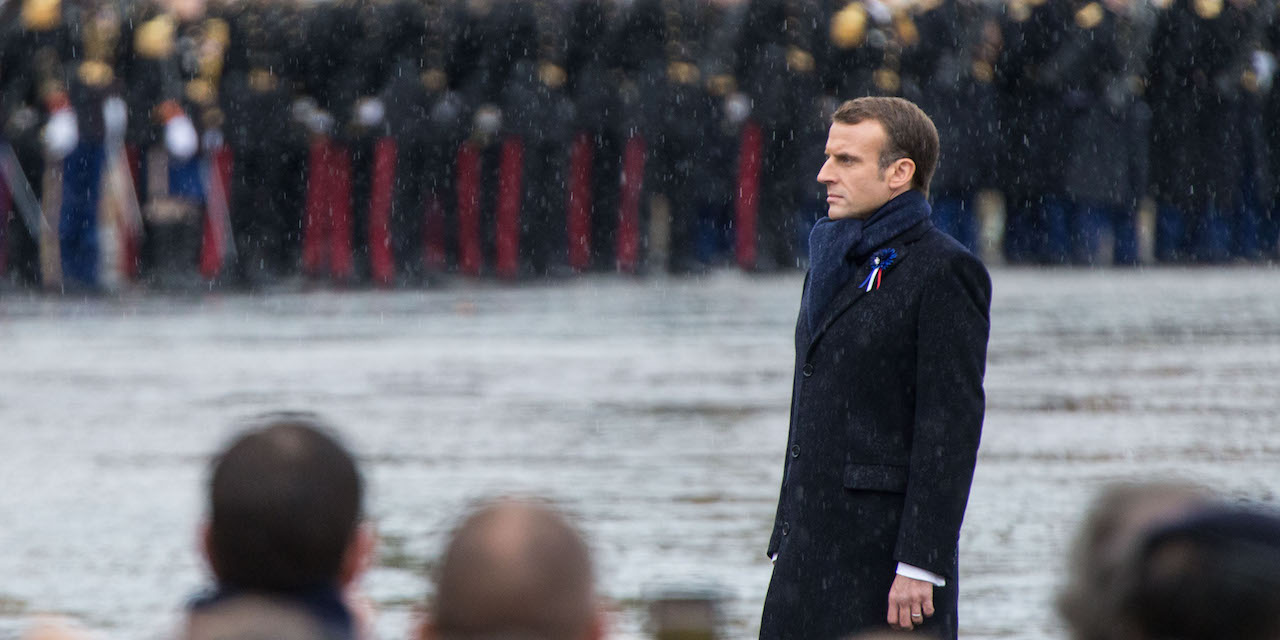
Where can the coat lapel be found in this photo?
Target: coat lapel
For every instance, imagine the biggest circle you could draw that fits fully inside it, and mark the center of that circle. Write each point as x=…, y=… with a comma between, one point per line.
x=851, y=293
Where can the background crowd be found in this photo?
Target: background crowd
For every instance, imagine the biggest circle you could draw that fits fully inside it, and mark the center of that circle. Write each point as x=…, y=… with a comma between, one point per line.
x=287, y=540
x=179, y=143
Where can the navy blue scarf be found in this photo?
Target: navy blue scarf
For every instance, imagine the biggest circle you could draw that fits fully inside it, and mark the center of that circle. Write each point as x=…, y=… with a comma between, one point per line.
x=837, y=247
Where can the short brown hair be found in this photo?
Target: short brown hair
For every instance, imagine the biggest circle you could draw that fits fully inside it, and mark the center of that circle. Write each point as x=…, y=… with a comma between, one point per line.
x=910, y=133
x=285, y=500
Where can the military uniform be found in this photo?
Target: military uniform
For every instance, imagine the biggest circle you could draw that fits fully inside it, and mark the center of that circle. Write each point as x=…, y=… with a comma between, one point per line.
x=35, y=43
x=1205, y=100
x=171, y=80
x=1035, y=124
x=105, y=39
x=267, y=143
x=950, y=75
x=777, y=69
x=592, y=68
x=1100, y=65
x=537, y=116
x=425, y=118
x=1269, y=225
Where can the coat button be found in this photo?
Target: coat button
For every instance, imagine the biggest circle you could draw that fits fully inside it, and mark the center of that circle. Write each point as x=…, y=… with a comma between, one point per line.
x=807, y=370
x=795, y=451
x=786, y=528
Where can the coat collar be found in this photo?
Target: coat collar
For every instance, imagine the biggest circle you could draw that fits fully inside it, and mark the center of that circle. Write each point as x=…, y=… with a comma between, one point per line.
x=852, y=292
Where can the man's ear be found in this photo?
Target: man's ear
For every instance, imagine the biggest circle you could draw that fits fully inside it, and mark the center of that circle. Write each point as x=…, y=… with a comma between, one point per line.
x=599, y=626
x=360, y=553
x=901, y=173
x=423, y=630
x=204, y=541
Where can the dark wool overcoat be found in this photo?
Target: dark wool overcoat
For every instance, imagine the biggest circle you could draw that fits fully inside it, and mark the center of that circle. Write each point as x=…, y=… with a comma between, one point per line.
x=886, y=414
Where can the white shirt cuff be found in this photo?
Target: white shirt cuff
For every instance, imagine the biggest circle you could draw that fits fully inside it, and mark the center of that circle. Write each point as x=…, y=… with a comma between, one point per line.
x=917, y=573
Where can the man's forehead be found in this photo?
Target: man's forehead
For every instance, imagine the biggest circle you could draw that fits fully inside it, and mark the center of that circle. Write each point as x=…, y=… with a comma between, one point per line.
x=867, y=135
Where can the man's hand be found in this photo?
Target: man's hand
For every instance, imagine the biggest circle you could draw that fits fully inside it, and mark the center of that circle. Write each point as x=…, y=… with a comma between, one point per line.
x=910, y=602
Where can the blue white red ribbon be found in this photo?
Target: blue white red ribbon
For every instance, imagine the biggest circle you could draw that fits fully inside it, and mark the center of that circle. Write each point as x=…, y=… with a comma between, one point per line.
x=882, y=260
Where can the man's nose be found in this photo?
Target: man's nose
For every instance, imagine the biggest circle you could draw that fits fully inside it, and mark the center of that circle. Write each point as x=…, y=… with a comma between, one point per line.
x=824, y=176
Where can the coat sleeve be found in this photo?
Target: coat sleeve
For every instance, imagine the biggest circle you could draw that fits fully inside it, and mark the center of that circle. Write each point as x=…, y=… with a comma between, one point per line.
x=953, y=328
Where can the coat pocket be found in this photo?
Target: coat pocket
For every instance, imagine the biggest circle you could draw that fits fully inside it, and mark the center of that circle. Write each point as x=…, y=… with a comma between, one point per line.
x=876, y=477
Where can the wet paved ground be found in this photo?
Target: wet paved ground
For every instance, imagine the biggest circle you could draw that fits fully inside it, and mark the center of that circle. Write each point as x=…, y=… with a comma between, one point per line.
x=653, y=410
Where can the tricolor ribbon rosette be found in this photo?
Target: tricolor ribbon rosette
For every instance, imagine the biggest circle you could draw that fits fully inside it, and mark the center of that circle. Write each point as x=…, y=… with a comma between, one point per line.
x=880, y=261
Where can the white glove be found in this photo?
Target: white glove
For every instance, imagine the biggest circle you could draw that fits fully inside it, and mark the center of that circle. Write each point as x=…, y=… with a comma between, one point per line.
x=302, y=108
x=180, y=137
x=115, y=117
x=370, y=112
x=212, y=139
x=1264, y=65
x=488, y=119
x=737, y=107
x=61, y=133
x=445, y=110
x=320, y=122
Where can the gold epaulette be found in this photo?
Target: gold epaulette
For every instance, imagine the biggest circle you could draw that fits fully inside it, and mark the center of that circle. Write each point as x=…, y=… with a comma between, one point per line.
x=154, y=39
x=799, y=60
x=551, y=75
x=434, y=79
x=887, y=80
x=1208, y=9
x=983, y=71
x=212, y=118
x=1249, y=80
x=95, y=73
x=906, y=29
x=1089, y=16
x=682, y=73
x=262, y=80
x=849, y=26
x=721, y=84
x=1019, y=10
x=200, y=91
x=217, y=30
x=41, y=15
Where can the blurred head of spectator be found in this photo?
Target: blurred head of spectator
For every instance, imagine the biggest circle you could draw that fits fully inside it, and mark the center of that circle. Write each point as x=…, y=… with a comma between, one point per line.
x=1213, y=574
x=515, y=569
x=285, y=519
x=1114, y=526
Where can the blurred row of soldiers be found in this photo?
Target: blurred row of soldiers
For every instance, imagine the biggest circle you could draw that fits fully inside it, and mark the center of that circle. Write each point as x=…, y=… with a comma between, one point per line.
x=179, y=142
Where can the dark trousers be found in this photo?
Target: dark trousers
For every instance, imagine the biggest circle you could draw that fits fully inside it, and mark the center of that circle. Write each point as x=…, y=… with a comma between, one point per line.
x=78, y=222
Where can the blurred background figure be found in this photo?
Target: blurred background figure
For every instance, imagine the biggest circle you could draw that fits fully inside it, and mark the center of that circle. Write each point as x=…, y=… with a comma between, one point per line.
x=1114, y=526
x=1035, y=128
x=1212, y=574
x=284, y=531
x=267, y=141
x=1100, y=67
x=35, y=43
x=1209, y=75
x=515, y=569
x=951, y=75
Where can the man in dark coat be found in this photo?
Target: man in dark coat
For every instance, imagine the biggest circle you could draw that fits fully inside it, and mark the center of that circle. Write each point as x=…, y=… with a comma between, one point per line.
x=887, y=400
